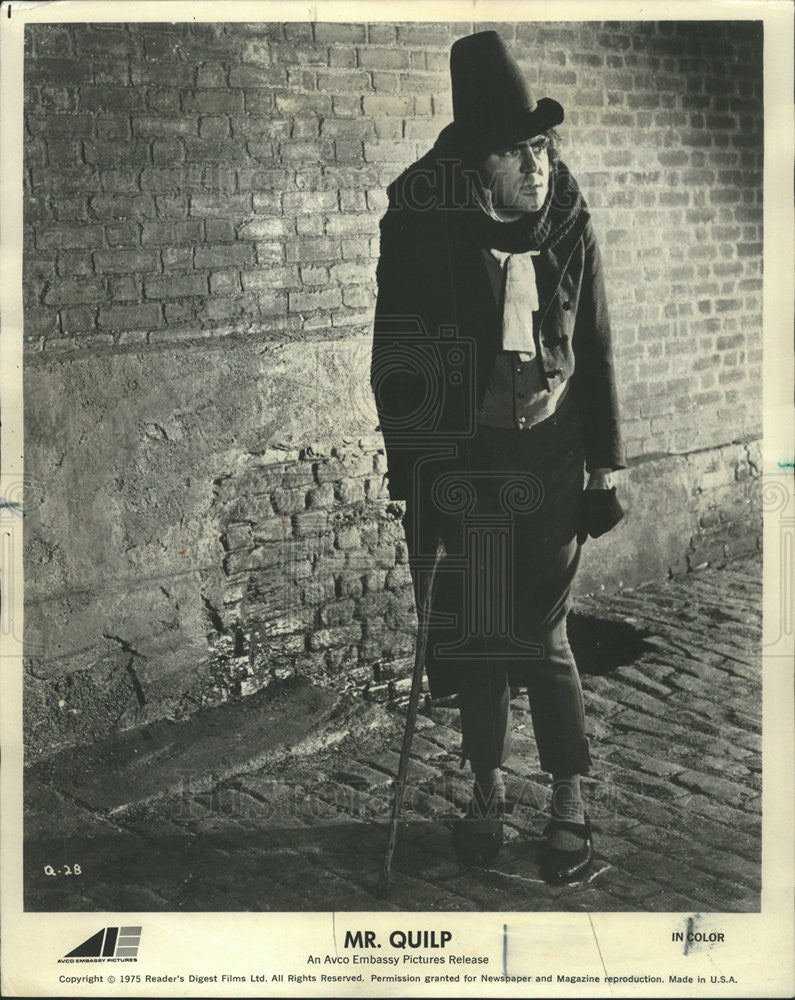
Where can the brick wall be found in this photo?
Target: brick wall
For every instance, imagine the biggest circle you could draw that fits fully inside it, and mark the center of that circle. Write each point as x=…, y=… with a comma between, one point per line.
x=201, y=217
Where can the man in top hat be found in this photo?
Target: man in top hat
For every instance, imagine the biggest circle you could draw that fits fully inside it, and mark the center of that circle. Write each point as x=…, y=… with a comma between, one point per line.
x=493, y=376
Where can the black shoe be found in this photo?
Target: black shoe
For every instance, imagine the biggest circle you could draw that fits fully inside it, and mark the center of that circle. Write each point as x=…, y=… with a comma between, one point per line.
x=558, y=866
x=477, y=838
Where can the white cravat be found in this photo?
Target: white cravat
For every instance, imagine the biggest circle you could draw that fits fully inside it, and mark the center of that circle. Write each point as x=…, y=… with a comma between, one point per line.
x=521, y=301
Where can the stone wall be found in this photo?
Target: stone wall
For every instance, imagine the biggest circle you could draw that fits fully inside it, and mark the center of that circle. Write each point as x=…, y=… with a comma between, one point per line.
x=208, y=513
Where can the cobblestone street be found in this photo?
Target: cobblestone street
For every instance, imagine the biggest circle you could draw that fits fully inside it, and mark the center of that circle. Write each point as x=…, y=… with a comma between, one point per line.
x=672, y=680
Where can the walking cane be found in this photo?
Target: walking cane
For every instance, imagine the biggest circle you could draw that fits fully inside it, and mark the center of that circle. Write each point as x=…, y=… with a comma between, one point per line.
x=423, y=614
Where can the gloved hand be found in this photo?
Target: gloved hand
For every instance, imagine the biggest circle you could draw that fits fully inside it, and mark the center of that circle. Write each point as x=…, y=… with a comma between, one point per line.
x=597, y=512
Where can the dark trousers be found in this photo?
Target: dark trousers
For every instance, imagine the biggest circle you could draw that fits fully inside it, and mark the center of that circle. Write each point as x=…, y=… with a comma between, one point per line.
x=556, y=707
x=508, y=523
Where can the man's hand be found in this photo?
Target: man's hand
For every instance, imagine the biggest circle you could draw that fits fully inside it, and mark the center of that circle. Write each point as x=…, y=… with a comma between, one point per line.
x=598, y=509
x=600, y=479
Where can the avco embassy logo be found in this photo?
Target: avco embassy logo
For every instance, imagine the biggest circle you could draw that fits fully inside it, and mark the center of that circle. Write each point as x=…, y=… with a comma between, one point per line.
x=111, y=944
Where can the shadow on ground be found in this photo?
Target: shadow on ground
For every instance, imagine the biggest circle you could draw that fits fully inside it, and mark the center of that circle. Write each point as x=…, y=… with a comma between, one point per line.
x=602, y=645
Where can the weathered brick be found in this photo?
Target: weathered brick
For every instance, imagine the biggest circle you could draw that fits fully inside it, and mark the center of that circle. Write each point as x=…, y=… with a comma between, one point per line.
x=271, y=303
x=177, y=258
x=74, y=264
x=37, y=271
x=314, y=275
x=342, y=177
x=223, y=256
x=307, y=202
x=235, y=205
x=125, y=180
x=173, y=286
x=130, y=317
x=216, y=309
x=342, y=82
x=381, y=34
x=111, y=99
x=334, y=31
x=106, y=206
x=347, y=538
x=341, y=58
x=424, y=34
x=350, y=490
x=348, y=151
x=353, y=201
x=257, y=76
x=103, y=40
x=213, y=158
x=220, y=230
x=342, y=635
x=338, y=613
x=224, y=282
x=63, y=235
x=384, y=151
x=159, y=179
x=359, y=297
x=265, y=228
x=81, y=320
x=272, y=277
x=309, y=523
x=51, y=40
x=347, y=106
x=75, y=291
x=271, y=252
x=343, y=225
x=163, y=126
x=245, y=560
x=353, y=248
x=302, y=104
x=63, y=152
x=382, y=105
x=211, y=102
x=387, y=58
x=182, y=312
x=308, y=301
x=124, y=261
x=309, y=250
x=41, y=322
x=211, y=75
x=214, y=127
x=425, y=129
x=321, y=496
x=125, y=287
x=70, y=72
x=166, y=98
x=170, y=233
x=306, y=152
x=123, y=234
x=61, y=101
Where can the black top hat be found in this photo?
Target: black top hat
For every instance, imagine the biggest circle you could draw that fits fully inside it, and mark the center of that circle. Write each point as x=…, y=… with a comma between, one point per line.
x=492, y=103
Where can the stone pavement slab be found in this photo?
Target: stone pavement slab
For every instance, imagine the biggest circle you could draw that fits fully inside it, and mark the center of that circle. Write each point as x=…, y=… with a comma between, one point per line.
x=294, y=819
x=151, y=762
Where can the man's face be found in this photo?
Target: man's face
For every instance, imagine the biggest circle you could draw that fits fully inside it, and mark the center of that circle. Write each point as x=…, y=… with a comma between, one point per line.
x=518, y=176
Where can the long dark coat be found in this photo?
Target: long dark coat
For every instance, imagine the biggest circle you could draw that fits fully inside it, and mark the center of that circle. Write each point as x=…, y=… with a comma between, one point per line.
x=436, y=338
